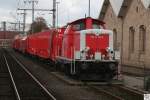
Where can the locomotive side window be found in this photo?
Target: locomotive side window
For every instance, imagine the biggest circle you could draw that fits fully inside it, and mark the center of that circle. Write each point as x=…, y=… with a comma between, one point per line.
x=79, y=26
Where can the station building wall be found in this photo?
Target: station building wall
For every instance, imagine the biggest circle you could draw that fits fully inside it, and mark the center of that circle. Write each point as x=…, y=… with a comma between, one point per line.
x=133, y=35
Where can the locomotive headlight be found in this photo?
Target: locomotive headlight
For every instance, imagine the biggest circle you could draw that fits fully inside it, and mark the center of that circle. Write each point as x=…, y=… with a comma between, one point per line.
x=108, y=49
x=112, y=66
x=87, y=49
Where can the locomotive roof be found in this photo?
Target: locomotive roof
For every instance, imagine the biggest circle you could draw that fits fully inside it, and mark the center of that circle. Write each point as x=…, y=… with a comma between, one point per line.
x=83, y=19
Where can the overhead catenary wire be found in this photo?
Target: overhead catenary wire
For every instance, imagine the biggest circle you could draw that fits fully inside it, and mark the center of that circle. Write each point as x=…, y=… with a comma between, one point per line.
x=67, y=11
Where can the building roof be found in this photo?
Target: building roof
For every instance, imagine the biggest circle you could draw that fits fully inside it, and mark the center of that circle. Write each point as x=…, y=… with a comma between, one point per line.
x=116, y=5
x=103, y=10
x=124, y=8
x=120, y=10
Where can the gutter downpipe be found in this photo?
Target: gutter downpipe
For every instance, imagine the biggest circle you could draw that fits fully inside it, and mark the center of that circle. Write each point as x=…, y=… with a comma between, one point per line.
x=121, y=54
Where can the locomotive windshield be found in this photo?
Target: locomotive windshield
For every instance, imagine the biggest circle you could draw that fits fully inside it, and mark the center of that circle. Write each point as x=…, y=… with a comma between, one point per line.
x=96, y=25
x=82, y=25
x=79, y=26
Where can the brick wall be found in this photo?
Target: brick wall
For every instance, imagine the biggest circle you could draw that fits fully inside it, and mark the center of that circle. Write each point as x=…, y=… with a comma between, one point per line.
x=6, y=38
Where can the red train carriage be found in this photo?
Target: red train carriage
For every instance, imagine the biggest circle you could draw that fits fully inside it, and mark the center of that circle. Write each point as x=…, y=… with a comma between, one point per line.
x=56, y=43
x=87, y=50
x=16, y=42
x=48, y=43
x=23, y=44
x=43, y=47
x=32, y=44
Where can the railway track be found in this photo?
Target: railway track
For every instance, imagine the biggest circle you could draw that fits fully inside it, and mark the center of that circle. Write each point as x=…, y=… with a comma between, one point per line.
x=18, y=82
x=7, y=91
x=110, y=92
x=117, y=92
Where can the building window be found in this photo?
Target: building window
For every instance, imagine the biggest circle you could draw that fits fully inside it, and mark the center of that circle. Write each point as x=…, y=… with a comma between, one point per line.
x=137, y=9
x=142, y=38
x=131, y=39
x=115, y=39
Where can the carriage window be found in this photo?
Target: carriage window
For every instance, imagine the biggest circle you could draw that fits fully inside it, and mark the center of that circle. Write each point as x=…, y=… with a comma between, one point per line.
x=78, y=27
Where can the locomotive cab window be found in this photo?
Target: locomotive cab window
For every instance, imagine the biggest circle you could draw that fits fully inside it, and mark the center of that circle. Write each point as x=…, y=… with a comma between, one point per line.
x=96, y=25
x=79, y=26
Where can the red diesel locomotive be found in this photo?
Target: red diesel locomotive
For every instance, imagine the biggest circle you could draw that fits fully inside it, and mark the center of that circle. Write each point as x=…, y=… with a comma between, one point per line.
x=83, y=48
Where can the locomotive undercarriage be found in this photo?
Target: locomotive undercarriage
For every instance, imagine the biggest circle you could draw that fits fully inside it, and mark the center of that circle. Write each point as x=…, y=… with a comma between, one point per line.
x=89, y=70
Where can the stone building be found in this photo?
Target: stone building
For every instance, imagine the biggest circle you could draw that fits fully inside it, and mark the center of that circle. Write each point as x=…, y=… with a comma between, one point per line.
x=130, y=22
x=6, y=38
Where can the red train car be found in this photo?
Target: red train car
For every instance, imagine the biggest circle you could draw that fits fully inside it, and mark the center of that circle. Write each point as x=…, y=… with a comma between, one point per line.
x=23, y=44
x=43, y=47
x=56, y=43
x=32, y=44
x=16, y=42
x=47, y=44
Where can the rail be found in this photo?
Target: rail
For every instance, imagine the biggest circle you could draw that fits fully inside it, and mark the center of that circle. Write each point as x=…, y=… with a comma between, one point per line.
x=118, y=92
x=112, y=96
x=33, y=78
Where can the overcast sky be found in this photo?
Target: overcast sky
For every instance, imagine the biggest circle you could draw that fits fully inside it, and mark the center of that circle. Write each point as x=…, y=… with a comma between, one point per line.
x=69, y=10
